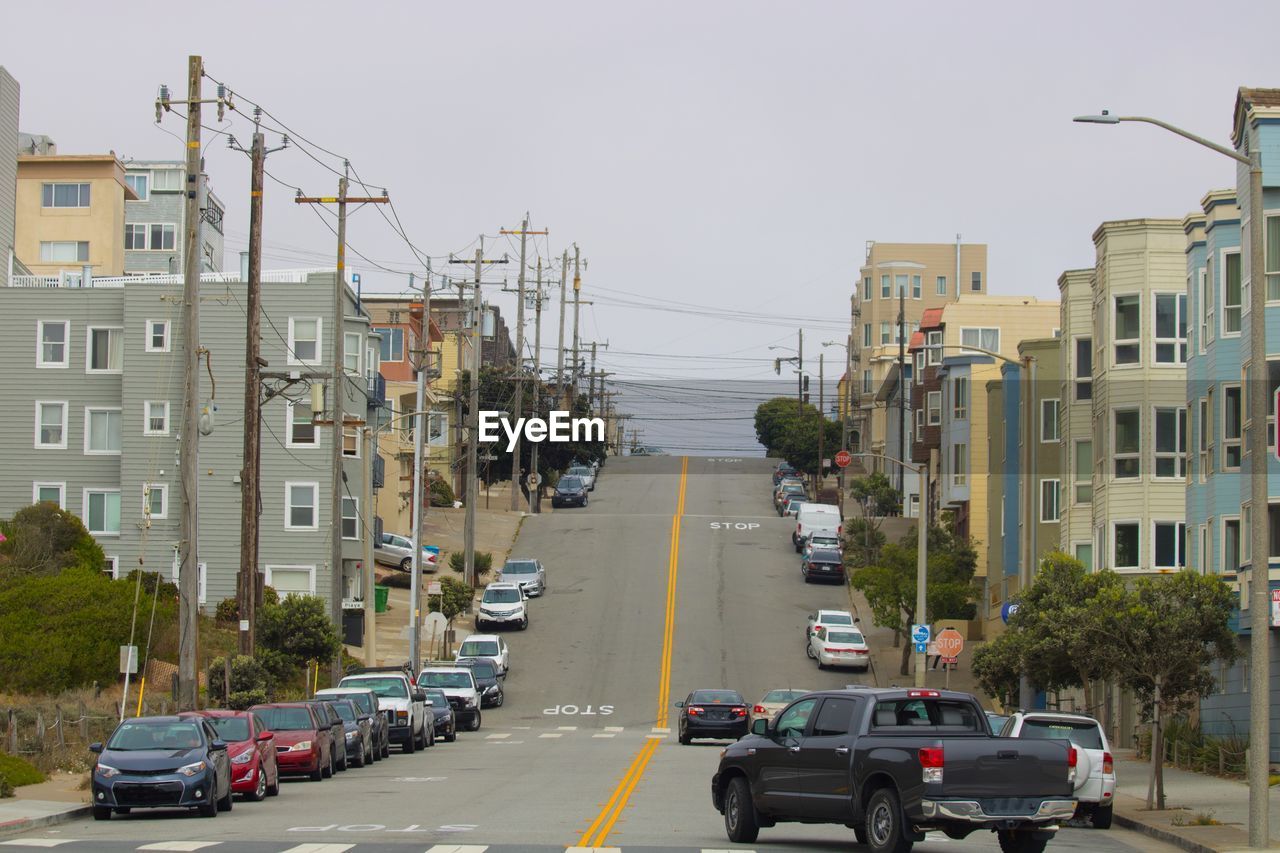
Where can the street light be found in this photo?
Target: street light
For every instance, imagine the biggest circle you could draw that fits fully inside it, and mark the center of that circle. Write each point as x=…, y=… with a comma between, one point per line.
x=1259, y=592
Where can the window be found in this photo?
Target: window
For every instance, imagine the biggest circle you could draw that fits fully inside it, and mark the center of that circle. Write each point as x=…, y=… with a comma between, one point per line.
x=960, y=397
x=156, y=417
x=1231, y=427
x=975, y=281
x=987, y=339
x=1126, y=328
x=350, y=518
x=65, y=195
x=1171, y=328
x=866, y=288
x=51, y=343
x=793, y=720
x=1049, y=491
x=155, y=500
x=866, y=382
x=1002, y=518
x=157, y=336
x=140, y=183
x=292, y=580
x=1083, y=367
x=351, y=442
x=885, y=334
x=934, y=340
x=901, y=282
x=885, y=289
x=959, y=464
x=1210, y=300
x=1246, y=540
x=1231, y=293
x=392, y=343
x=105, y=351
x=302, y=431
x=941, y=285
x=438, y=429
x=135, y=236
x=933, y=402
x=301, y=506
x=866, y=334
x=918, y=373
x=1048, y=421
x=64, y=251
x=51, y=425
x=1170, y=543
x=163, y=237
x=101, y=431
x=916, y=287
x=304, y=340
x=1084, y=472
x=919, y=424
x=1171, y=442
x=1084, y=553
x=1126, y=443
x=1272, y=262
x=54, y=493
x=1126, y=540
x=1206, y=436
x=351, y=353
x=102, y=511
x=834, y=718
x=1230, y=545
x=166, y=180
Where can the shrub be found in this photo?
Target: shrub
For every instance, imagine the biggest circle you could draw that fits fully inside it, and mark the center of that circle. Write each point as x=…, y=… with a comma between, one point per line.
x=250, y=682
x=454, y=599
x=6, y=789
x=484, y=562
x=153, y=583
x=398, y=580
x=441, y=493
x=19, y=771
x=299, y=627
x=228, y=612
x=43, y=540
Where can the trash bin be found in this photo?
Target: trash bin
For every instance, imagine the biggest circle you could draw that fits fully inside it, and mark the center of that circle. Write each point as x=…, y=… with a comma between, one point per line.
x=353, y=627
x=380, y=594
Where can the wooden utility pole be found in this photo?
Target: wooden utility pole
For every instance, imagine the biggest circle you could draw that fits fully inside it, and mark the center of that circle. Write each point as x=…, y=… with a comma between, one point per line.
x=336, y=407
x=518, y=407
x=473, y=428
x=822, y=426
x=535, y=489
x=560, y=383
x=591, y=393
x=577, y=300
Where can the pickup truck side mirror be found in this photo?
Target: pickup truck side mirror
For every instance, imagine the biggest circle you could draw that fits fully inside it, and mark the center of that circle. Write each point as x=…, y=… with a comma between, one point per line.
x=419, y=696
x=760, y=726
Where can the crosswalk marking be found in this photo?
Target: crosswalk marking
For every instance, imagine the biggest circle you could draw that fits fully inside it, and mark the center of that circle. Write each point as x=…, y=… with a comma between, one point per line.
x=613, y=728
x=660, y=731
x=180, y=846
x=567, y=728
x=497, y=736
x=319, y=848
x=606, y=734
x=37, y=842
x=458, y=848
x=551, y=734
x=656, y=737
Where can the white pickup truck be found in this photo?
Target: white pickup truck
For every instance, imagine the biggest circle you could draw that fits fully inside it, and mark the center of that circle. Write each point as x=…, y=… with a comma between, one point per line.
x=405, y=704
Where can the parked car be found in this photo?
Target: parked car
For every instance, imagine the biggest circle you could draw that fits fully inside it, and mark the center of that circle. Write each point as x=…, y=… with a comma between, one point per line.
x=834, y=618
x=357, y=732
x=820, y=539
x=825, y=563
x=648, y=450
x=503, y=604
x=396, y=550
x=530, y=574
x=839, y=647
x=585, y=473
x=459, y=685
x=874, y=759
x=367, y=702
x=303, y=743
x=774, y=701
x=488, y=647
x=786, y=489
x=815, y=517
x=791, y=506
x=1095, y=768
x=161, y=762
x=442, y=713
x=337, y=731
x=712, y=713
x=251, y=748
x=489, y=681
x=570, y=491
x=783, y=471
x=404, y=704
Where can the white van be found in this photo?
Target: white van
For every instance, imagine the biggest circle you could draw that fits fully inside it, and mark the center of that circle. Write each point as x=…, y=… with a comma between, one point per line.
x=815, y=517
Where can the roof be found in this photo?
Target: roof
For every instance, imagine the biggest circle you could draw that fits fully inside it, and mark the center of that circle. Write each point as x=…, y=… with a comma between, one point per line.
x=916, y=342
x=931, y=318
x=1248, y=100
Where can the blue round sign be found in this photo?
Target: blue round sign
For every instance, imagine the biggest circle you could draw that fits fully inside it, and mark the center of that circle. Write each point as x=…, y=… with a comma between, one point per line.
x=1010, y=608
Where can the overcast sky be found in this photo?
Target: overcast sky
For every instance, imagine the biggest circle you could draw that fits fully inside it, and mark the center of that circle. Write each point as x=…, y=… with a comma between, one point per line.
x=732, y=155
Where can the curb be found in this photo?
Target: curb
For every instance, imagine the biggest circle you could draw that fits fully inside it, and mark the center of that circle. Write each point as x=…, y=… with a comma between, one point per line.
x=1161, y=834
x=24, y=824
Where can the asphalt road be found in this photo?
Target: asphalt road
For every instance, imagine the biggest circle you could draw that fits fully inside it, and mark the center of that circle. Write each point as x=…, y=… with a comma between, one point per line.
x=581, y=755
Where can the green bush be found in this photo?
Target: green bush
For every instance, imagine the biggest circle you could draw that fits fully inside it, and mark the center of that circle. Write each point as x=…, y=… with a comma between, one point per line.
x=228, y=612
x=19, y=771
x=299, y=628
x=441, y=493
x=64, y=631
x=484, y=562
x=399, y=580
x=6, y=789
x=250, y=682
x=456, y=597
x=44, y=540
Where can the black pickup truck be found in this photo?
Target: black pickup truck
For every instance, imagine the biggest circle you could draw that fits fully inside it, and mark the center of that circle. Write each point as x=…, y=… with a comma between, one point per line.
x=892, y=764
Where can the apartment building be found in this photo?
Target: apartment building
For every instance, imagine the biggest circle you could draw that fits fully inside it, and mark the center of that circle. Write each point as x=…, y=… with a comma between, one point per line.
x=100, y=440
x=155, y=219
x=1075, y=390
x=10, y=95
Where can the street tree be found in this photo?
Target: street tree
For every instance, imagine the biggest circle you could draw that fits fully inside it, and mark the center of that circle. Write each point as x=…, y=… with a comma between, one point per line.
x=790, y=431
x=43, y=539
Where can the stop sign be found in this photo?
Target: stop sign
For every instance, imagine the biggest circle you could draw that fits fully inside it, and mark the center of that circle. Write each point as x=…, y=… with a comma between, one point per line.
x=950, y=643
x=843, y=458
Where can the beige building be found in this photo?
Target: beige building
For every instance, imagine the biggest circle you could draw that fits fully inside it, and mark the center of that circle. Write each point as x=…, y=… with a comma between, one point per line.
x=1075, y=531
x=70, y=213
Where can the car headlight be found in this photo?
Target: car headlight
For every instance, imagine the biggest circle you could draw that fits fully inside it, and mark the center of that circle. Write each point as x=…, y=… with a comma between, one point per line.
x=243, y=758
x=352, y=735
x=492, y=688
x=470, y=703
x=193, y=769
x=106, y=771
x=301, y=746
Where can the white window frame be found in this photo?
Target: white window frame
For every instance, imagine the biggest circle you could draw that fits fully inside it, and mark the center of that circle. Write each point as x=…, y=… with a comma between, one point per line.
x=113, y=566
x=975, y=281
x=917, y=286
x=1115, y=455
x=1180, y=348
x=1204, y=447
x=288, y=506
x=1222, y=267
x=866, y=334
x=1117, y=342
x=1210, y=304
x=1077, y=379
x=163, y=489
x=933, y=406
x=132, y=241
x=1125, y=522
x=165, y=227
x=88, y=354
x=1202, y=546
x=1053, y=402
x=886, y=286
x=940, y=285
x=348, y=432
x=1238, y=441
x=1271, y=274
x=146, y=417
x=48, y=253
x=145, y=178
x=1222, y=544
x=88, y=432
x=288, y=429
x=960, y=397
x=166, y=186
x=351, y=347
x=1179, y=457
x=1057, y=500
x=85, y=510
x=868, y=381
x=61, y=486
x=390, y=339
x=66, y=344
x=919, y=370
x=292, y=356
x=1093, y=558
x=66, y=408
x=311, y=569
x=919, y=425
x=1076, y=482
x=886, y=333
x=1180, y=542
x=980, y=330
x=959, y=464
x=83, y=190
x=440, y=439
x=355, y=502
x=933, y=347
x=148, y=342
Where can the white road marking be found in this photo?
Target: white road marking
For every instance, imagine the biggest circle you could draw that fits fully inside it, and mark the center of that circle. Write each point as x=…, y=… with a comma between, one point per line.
x=607, y=734
x=658, y=731
x=497, y=736
x=458, y=848
x=319, y=848
x=613, y=728
x=550, y=734
x=505, y=742
x=37, y=842
x=567, y=728
x=522, y=728
x=655, y=737
x=180, y=846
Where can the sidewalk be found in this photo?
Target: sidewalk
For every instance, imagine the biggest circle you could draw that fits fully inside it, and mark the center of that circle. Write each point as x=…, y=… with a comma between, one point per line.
x=55, y=801
x=1188, y=796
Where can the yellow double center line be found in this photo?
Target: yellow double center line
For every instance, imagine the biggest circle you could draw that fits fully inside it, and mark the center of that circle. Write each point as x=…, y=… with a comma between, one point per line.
x=600, y=828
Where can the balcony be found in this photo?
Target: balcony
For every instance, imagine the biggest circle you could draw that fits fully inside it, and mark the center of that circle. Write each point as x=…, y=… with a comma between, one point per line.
x=378, y=471
x=377, y=391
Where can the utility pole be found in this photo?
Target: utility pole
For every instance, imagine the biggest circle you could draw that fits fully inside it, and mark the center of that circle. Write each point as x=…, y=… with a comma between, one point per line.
x=577, y=299
x=419, y=497
x=473, y=427
x=902, y=393
x=591, y=394
x=336, y=407
x=564, y=277
x=518, y=409
x=535, y=489
x=800, y=372
x=822, y=424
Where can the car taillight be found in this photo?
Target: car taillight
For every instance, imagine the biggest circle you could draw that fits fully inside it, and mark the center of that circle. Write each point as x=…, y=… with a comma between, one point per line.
x=931, y=763
x=1107, y=766
x=923, y=694
x=1072, y=758
x=758, y=709
x=695, y=711
x=739, y=712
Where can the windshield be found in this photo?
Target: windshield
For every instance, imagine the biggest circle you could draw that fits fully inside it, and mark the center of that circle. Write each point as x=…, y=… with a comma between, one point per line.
x=345, y=711
x=361, y=701
x=520, y=567
x=478, y=648
x=392, y=688
x=445, y=679
x=483, y=669
x=844, y=637
x=821, y=555
x=438, y=700
x=286, y=719
x=835, y=619
x=568, y=484
x=230, y=728
x=777, y=697
x=499, y=596
x=723, y=697
x=148, y=735
x=1082, y=734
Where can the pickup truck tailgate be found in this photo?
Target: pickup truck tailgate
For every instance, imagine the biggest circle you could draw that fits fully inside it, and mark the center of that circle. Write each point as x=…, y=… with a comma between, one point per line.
x=1004, y=767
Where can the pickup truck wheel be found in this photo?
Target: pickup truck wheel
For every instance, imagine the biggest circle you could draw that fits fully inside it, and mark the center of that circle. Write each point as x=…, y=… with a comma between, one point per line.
x=1012, y=841
x=740, y=813
x=410, y=745
x=885, y=830
x=860, y=835
x=1101, y=818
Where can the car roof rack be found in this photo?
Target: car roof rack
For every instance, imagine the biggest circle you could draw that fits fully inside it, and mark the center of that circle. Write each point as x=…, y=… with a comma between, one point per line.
x=368, y=670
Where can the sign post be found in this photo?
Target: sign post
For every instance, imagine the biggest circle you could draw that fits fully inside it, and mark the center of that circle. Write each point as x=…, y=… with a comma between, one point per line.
x=950, y=644
x=843, y=458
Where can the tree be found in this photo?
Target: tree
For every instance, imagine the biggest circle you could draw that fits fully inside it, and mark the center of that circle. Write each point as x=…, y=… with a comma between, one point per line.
x=790, y=430
x=43, y=539
x=298, y=628
x=876, y=495
x=250, y=682
x=863, y=541
x=455, y=598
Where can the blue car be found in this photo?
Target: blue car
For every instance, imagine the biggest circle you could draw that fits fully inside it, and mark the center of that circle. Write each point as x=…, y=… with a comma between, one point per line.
x=161, y=762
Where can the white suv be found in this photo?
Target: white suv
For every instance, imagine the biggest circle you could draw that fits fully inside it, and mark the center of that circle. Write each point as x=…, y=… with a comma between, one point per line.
x=459, y=686
x=1095, y=778
x=503, y=604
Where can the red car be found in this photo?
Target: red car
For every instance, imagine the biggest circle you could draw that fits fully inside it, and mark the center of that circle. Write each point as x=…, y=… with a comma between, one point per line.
x=251, y=746
x=303, y=742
